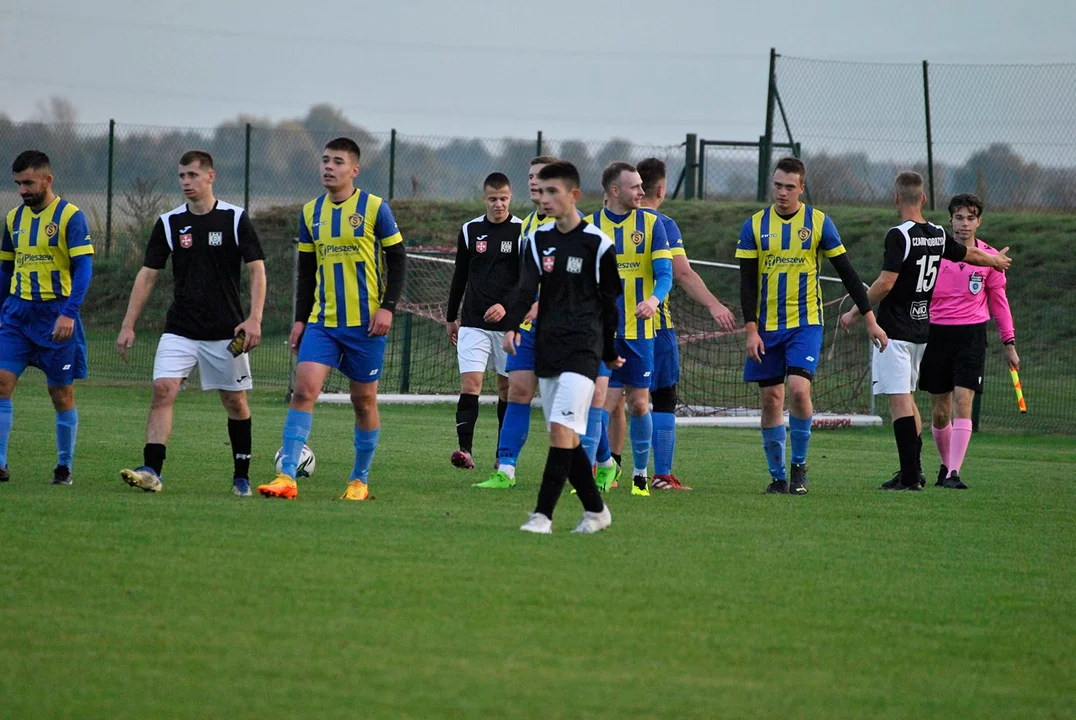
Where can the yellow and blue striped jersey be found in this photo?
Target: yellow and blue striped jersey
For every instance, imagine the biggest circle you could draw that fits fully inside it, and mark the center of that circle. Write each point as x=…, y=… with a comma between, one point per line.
x=41, y=245
x=640, y=239
x=349, y=238
x=789, y=291
x=663, y=317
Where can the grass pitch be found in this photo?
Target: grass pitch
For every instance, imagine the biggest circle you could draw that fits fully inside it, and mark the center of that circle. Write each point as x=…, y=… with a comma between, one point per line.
x=428, y=602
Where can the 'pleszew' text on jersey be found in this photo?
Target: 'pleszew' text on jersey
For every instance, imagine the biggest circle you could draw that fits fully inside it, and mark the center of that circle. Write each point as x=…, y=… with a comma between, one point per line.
x=914, y=251
x=639, y=238
x=488, y=261
x=207, y=254
x=41, y=245
x=663, y=317
x=348, y=238
x=789, y=291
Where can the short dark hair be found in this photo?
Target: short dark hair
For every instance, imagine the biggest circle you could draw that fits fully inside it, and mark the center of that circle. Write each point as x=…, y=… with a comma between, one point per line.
x=652, y=171
x=966, y=200
x=792, y=165
x=543, y=160
x=496, y=181
x=612, y=172
x=31, y=160
x=199, y=156
x=560, y=170
x=346, y=145
x=909, y=187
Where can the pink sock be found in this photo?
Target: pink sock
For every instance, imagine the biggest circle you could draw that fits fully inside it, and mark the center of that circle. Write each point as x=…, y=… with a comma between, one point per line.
x=961, y=440
x=942, y=438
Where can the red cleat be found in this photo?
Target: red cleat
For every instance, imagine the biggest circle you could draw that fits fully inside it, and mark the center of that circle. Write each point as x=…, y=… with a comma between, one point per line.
x=667, y=482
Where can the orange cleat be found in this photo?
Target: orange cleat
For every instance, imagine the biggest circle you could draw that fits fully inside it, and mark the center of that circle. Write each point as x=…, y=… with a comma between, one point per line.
x=283, y=487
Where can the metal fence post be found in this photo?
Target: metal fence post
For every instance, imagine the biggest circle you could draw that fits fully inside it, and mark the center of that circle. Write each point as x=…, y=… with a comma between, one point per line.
x=246, y=173
x=766, y=141
x=405, y=355
x=392, y=164
x=700, y=184
x=930, y=140
x=538, y=146
x=108, y=193
x=691, y=144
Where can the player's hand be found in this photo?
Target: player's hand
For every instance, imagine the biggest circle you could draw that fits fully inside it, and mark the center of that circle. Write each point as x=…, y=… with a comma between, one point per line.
x=381, y=323
x=495, y=313
x=453, y=330
x=63, y=329
x=877, y=335
x=723, y=317
x=124, y=341
x=1002, y=261
x=756, y=349
x=510, y=342
x=1012, y=357
x=253, y=329
x=531, y=314
x=296, y=336
x=646, y=309
x=616, y=364
x=849, y=319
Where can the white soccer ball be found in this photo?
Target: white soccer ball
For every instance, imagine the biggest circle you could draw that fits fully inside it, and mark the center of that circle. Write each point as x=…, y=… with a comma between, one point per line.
x=306, y=462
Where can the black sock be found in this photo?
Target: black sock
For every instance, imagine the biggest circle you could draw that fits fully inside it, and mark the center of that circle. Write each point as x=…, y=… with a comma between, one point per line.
x=153, y=457
x=919, y=456
x=907, y=449
x=557, y=466
x=616, y=456
x=239, y=434
x=582, y=479
x=502, y=408
x=466, y=417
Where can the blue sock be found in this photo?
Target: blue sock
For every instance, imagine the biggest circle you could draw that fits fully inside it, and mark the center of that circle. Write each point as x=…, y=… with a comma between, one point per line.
x=296, y=431
x=365, y=445
x=6, y=418
x=664, y=442
x=593, y=437
x=604, y=452
x=641, y=430
x=773, y=442
x=800, y=432
x=517, y=423
x=66, y=430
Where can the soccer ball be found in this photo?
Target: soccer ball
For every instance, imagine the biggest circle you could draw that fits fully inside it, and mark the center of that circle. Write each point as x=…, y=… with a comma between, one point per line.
x=306, y=462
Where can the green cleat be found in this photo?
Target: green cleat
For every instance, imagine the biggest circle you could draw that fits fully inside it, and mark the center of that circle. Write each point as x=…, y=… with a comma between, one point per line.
x=606, y=476
x=497, y=481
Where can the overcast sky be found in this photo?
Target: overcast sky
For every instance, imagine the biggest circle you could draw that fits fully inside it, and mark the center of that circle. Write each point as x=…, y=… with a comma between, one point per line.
x=647, y=71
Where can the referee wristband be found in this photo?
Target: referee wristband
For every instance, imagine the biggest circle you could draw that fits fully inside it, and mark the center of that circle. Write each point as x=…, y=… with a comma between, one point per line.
x=1009, y=342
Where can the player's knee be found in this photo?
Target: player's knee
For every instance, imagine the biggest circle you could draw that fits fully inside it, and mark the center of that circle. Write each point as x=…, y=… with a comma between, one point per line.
x=62, y=396
x=665, y=399
x=235, y=403
x=639, y=403
x=520, y=392
x=164, y=393
x=7, y=384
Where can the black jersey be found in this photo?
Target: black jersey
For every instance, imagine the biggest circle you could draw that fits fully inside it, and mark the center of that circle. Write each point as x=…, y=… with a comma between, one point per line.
x=914, y=251
x=487, y=268
x=577, y=312
x=207, y=253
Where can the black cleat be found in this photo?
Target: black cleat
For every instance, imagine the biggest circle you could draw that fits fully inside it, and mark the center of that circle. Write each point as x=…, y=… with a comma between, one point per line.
x=954, y=482
x=798, y=485
x=4, y=475
x=897, y=483
x=778, y=487
x=943, y=472
x=62, y=476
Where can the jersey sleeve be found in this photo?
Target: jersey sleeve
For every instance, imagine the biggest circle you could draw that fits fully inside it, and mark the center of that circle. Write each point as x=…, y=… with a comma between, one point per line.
x=747, y=247
x=7, y=247
x=306, y=240
x=77, y=235
x=385, y=228
x=831, y=240
x=659, y=241
x=896, y=249
x=676, y=239
x=157, y=250
x=250, y=246
x=954, y=251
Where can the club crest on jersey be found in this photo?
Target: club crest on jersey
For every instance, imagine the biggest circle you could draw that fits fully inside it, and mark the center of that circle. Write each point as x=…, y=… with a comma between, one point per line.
x=637, y=237
x=975, y=283
x=575, y=265
x=920, y=310
x=185, y=240
x=51, y=229
x=805, y=234
x=480, y=246
x=506, y=246
x=215, y=239
x=548, y=262
x=354, y=220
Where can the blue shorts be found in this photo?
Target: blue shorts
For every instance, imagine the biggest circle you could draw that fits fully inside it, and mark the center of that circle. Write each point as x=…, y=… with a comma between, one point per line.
x=524, y=357
x=348, y=349
x=666, y=360
x=638, y=365
x=795, y=348
x=26, y=339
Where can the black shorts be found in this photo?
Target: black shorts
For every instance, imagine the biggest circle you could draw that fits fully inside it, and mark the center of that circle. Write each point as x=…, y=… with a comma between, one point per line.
x=955, y=357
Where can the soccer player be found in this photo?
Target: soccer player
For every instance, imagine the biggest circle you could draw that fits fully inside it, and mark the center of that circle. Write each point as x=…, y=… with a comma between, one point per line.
x=487, y=268
x=574, y=265
x=645, y=266
x=208, y=240
x=965, y=297
x=913, y=252
x=45, y=270
x=352, y=269
x=666, y=350
x=522, y=382
x=779, y=250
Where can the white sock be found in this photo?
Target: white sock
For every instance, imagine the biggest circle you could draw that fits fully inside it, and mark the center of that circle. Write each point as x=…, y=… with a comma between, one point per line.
x=607, y=462
x=636, y=472
x=509, y=470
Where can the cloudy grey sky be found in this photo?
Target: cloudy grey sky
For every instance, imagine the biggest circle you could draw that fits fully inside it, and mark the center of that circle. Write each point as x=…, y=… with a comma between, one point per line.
x=648, y=71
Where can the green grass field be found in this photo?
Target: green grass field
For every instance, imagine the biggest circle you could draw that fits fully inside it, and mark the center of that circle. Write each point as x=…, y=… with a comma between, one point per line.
x=428, y=602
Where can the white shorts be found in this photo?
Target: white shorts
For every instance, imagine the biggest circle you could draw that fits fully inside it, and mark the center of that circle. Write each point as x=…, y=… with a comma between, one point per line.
x=177, y=356
x=475, y=348
x=566, y=400
x=896, y=371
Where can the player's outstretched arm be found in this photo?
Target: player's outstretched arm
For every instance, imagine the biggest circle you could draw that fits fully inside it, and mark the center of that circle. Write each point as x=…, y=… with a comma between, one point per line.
x=143, y=286
x=252, y=326
x=696, y=289
x=1000, y=262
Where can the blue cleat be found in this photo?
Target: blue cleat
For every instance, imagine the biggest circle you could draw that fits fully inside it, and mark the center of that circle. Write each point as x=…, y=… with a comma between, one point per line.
x=241, y=487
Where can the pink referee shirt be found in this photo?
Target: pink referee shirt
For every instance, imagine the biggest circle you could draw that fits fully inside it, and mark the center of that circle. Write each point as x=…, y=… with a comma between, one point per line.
x=963, y=291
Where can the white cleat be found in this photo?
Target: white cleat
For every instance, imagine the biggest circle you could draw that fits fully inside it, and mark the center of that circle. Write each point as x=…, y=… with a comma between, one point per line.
x=593, y=522
x=142, y=478
x=539, y=524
